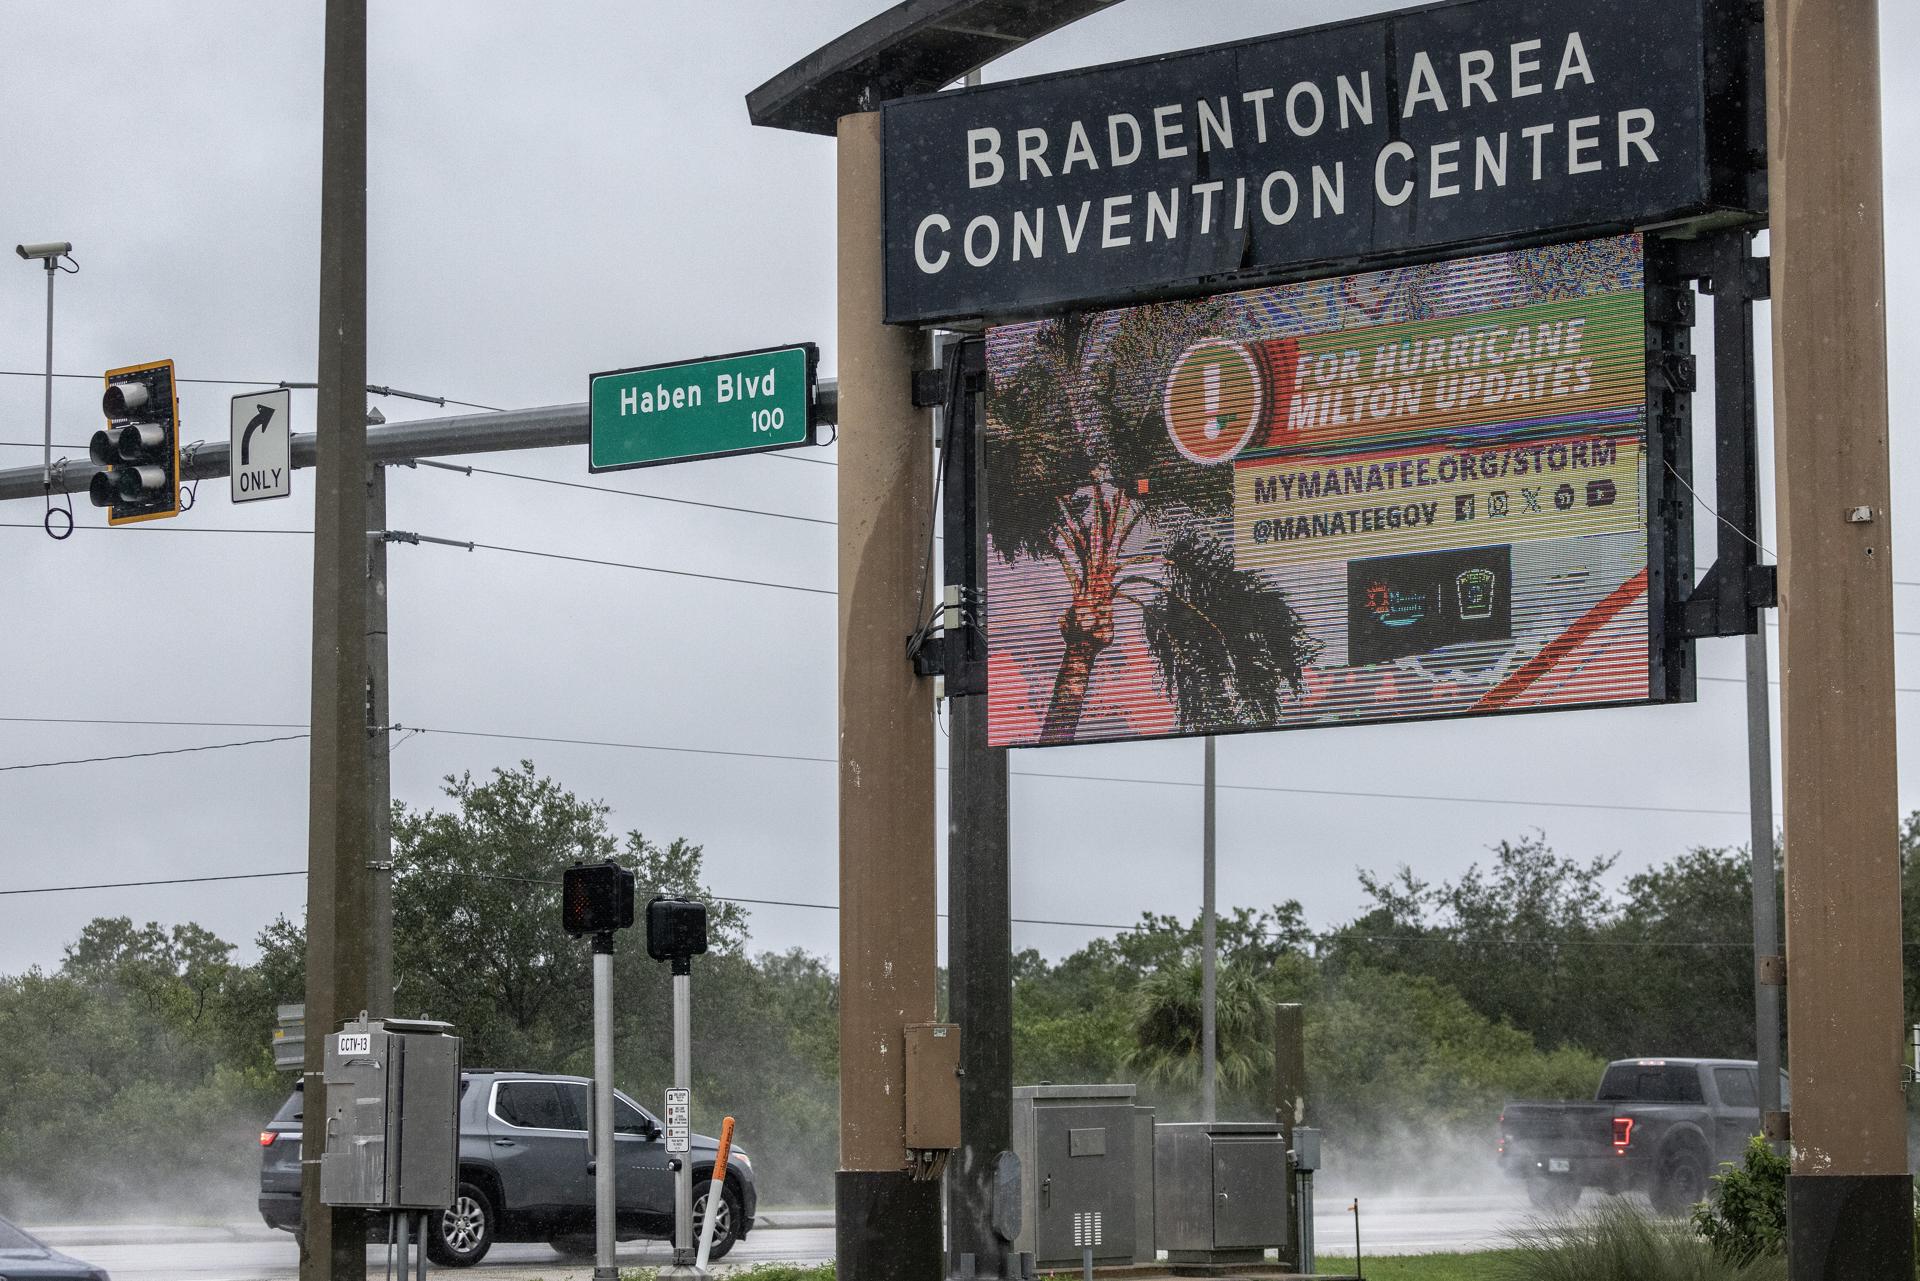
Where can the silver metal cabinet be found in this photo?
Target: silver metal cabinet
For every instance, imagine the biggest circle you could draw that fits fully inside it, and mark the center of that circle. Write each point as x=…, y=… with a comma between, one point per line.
x=1081, y=1165
x=1220, y=1190
x=392, y=1104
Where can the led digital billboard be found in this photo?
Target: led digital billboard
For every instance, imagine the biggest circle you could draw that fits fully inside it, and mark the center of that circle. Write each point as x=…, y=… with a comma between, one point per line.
x=1438, y=490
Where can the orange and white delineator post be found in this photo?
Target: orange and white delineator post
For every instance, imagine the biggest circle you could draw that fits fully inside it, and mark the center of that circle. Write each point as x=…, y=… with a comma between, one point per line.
x=715, y=1193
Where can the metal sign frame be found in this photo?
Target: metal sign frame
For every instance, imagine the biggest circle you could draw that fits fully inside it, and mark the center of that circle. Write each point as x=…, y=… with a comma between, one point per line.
x=1676, y=604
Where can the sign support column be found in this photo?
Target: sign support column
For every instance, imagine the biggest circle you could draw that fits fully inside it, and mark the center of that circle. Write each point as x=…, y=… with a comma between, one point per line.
x=887, y=1226
x=1850, y=1194
x=981, y=1187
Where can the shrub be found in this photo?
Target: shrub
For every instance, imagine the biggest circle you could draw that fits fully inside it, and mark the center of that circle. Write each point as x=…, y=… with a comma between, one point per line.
x=1748, y=1220
x=1619, y=1242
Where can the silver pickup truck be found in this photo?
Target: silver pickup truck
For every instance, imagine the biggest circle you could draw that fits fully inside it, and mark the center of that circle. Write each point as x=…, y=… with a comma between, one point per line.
x=1658, y=1126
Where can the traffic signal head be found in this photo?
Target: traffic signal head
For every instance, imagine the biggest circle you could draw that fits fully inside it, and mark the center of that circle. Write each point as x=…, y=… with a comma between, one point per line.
x=596, y=898
x=140, y=445
x=676, y=930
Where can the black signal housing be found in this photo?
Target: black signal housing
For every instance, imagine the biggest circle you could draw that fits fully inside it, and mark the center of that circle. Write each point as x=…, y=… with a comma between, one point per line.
x=596, y=898
x=140, y=445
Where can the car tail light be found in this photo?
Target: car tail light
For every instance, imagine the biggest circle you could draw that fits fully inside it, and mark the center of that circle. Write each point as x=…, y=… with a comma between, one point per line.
x=1622, y=1134
x=267, y=1137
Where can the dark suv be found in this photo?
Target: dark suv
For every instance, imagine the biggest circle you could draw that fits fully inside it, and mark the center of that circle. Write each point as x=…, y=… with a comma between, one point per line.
x=524, y=1171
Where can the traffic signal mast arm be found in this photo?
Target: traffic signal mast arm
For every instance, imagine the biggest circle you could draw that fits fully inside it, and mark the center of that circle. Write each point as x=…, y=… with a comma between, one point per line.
x=392, y=443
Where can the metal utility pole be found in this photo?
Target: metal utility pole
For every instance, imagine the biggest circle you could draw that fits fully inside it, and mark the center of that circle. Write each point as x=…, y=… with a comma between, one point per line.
x=1850, y=1193
x=604, y=1154
x=980, y=1233
x=1209, y=946
x=379, y=744
x=1765, y=876
x=683, y=1082
x=338, y=884
x=1290, y=1098
x=887, y=1226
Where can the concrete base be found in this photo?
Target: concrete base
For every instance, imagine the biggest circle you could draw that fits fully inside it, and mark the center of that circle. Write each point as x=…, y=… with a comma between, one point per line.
x=1204, y=1263
x=887, y=1227
x=1849, y=1227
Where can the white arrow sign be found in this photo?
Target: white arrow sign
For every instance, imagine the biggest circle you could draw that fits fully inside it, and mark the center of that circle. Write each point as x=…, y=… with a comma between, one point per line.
x=260, y=464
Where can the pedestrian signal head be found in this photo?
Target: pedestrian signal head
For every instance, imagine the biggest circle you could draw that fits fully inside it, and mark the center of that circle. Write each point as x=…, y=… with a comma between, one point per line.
x=676, y=930
x=596, y=898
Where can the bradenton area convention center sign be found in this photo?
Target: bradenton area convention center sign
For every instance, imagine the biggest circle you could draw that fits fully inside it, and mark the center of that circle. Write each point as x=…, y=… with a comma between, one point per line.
x=1388, y=138
x=1341, y=376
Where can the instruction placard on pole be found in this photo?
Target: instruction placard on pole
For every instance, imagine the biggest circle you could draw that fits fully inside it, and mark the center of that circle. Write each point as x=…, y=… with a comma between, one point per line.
x=679, y=1115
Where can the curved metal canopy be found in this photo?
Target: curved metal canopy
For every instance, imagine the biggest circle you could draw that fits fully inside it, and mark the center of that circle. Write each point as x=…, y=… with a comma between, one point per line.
x=917, y=46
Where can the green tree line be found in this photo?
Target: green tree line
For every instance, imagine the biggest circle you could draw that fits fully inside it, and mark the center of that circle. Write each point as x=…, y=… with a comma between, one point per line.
x=147, y=1046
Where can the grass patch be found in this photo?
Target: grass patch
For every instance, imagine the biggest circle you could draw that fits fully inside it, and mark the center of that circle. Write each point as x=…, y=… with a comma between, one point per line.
x=758, y=1272
x=1477, y=1266
x=1619, y=1242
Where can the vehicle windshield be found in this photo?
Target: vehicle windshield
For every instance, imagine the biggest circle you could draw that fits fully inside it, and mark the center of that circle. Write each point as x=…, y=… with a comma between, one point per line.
x=1650, y=1083
x=290, y=1110
x=12, y=1238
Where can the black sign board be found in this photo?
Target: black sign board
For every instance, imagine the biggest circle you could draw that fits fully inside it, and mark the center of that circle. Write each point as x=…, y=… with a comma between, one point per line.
x=1481, y=123
x=1400, y=606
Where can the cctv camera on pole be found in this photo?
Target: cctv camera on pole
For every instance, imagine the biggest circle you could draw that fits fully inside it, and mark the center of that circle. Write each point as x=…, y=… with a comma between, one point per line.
x=597, y=899
x=677, y=932
x=49, y=253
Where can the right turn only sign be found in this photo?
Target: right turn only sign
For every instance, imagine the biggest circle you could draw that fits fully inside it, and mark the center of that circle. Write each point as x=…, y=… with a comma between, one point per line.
x=261, y=462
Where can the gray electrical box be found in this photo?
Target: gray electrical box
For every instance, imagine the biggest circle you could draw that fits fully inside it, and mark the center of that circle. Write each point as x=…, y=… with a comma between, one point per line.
x=1221, y=1190
x=1081, y=1167
x=392, y=1109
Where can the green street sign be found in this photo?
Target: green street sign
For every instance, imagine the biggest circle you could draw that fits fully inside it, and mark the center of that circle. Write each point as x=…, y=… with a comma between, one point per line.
x=739, y=404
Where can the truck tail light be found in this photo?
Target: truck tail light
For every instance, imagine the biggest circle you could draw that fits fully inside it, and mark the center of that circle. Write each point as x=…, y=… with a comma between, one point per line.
x=1622, y=1134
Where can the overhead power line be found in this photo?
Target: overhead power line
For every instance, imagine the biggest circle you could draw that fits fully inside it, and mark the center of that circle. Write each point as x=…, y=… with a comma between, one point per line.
x=151, y=528
x=136, y=885
x=165, y=751
x=403, y=537
x=1135, y=926
x=675, y=749
x=624, y=493
x=633, y=747
x=654, y=569
x=94, y=378
x=264, y=384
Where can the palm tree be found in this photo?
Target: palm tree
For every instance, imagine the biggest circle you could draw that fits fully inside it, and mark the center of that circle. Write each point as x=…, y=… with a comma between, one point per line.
x=1084, y=474
x=1167, y=1025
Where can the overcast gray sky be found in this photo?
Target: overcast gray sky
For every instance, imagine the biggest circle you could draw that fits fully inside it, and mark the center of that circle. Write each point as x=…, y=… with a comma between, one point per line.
x=556, y=190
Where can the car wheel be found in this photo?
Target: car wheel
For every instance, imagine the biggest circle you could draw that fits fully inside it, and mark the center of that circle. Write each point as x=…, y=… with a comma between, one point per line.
x=1680, y=1181
x=463, y=1232
x=727, y=1219
x=1554, y=1195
